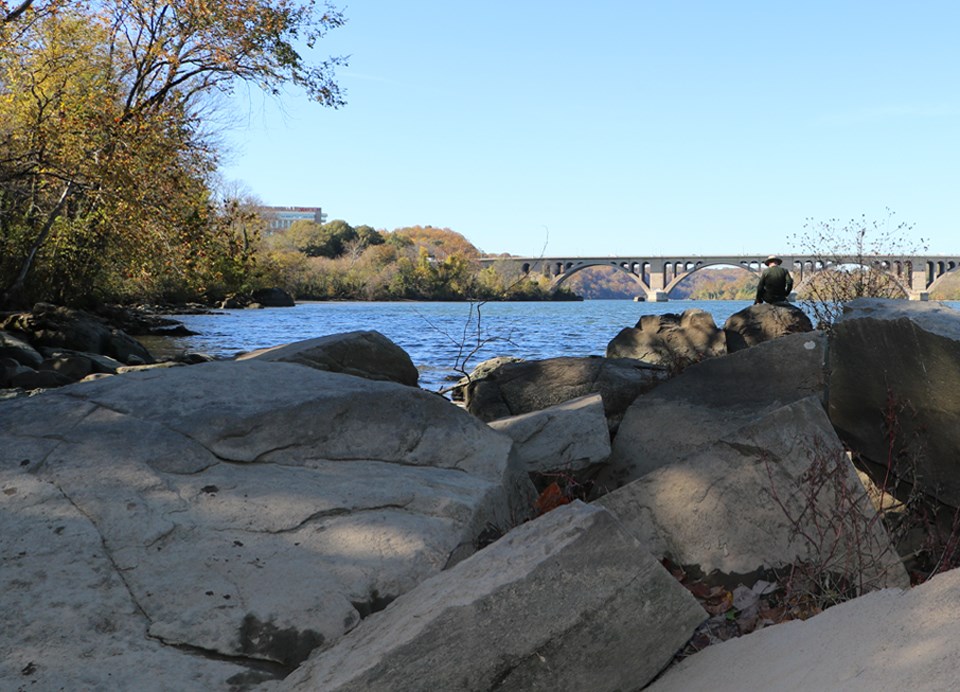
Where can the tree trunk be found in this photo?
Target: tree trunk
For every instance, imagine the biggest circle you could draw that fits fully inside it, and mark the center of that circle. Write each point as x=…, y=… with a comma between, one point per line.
x=11, y=295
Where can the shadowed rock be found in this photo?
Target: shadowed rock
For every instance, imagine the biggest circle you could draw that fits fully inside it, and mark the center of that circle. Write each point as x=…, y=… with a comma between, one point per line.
x=516, y=388
x=895, y=364
x=711, y=399
x=671, y=340
x=774, y=492
x=758, y=323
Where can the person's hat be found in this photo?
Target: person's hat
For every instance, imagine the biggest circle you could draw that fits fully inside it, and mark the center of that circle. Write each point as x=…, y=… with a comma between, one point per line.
x=773, y=258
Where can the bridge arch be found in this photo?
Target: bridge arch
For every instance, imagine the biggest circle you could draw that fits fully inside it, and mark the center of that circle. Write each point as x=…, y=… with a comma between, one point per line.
x=633, y=269
x=692, y=267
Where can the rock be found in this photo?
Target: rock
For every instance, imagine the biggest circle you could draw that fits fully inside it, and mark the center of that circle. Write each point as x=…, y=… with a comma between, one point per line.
x=885, y=641
x=564, y=602
x=153, y=366
x=269, y=509
x=195, y=358
x=776, y=492
x=758, y=323
x=176, y=330
x=233, y=303
x=483, y=369
x=39, y=379
x=54, y=326
x=571, y=436
x=75, y=367
x=68, y=620
x=273, y=298
x=897, y=362
x=362, y=353
x=671, y=340
x=99, y=363
x=516, y=388
x=13, y=347
x=708, y=400
x=9, y=368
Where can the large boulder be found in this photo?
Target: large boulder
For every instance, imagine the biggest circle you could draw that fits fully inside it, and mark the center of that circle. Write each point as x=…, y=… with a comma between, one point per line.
x=886, y=641
x=711, y=399
x=532, y=385
x=758, y=323
x=39, y=379
x=568, y=602
x=482, y=369
x=56, y=326
x=273, y=298
x=363, y=353
x=895, y=368
x=18, y=349
x=570, y=437
x=256, y=510
x=671, y=340
x=775, y=493
x=69, y=621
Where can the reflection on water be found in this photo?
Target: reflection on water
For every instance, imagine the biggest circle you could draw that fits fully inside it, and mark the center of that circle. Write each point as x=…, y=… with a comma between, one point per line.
x=438, y=336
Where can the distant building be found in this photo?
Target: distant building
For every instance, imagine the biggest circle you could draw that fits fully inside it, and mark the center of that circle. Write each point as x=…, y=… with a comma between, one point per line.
x=280, y=218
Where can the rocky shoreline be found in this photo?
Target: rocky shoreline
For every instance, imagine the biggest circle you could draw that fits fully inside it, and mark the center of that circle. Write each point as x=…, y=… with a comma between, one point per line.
x=306, y=517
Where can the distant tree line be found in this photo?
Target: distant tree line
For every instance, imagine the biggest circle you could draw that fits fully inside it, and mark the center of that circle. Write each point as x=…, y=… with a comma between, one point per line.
x=337, y=261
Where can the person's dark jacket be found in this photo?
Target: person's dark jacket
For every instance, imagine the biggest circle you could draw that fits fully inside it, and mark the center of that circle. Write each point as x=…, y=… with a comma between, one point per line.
x=775, y=285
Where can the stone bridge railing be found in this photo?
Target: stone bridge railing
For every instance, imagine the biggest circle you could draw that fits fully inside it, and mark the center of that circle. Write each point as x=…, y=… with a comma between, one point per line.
x=656, y=276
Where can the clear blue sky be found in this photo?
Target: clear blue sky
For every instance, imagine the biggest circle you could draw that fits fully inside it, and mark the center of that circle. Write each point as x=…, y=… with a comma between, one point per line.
x=623, y=127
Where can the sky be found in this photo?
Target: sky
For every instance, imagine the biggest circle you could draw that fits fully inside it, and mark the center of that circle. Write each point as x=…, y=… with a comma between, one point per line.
x=627, y=127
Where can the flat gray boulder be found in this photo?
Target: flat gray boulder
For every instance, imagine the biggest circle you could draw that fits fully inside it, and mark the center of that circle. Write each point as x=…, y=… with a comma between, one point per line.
x=533, y=385
x=708, y=400
x=886, y=641
x=362, y=353
x=898, y=359
x=571, y=436
x=758, y=323
x=259, y=510
x=568, y=601
x=774, y=493
x=68, y=620
x=671, y=340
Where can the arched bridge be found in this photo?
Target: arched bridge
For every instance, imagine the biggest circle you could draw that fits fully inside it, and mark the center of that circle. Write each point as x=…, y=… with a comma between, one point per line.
x=656, y=276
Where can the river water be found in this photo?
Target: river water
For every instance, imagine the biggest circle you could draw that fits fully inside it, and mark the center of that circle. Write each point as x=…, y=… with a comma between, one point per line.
x=438, y=336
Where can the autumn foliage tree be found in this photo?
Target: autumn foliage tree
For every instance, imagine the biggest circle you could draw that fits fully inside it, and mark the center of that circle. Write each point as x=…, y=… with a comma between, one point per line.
x=106, y=153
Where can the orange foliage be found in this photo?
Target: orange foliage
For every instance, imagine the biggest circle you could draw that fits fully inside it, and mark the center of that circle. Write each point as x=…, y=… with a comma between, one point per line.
x=551, y=498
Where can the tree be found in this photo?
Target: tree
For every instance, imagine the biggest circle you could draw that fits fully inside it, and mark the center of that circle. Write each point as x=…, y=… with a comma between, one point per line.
x=439, y=242
x=845, y=254
x=104, y=151
x=368, y=235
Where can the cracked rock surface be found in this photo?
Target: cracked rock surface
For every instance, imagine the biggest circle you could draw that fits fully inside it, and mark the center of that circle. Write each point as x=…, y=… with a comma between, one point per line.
x=568, y=601
x=220, y=522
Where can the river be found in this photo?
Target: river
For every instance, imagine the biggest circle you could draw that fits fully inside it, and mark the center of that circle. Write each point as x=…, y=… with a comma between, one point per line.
x=438, y=336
